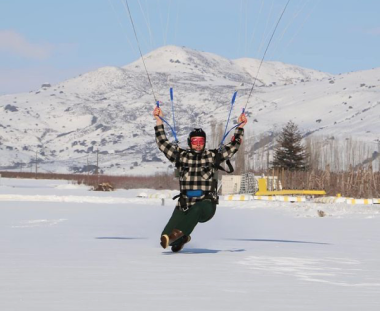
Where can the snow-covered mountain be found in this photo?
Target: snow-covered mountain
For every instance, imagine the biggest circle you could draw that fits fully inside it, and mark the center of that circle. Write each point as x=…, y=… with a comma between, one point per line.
x=110, y=109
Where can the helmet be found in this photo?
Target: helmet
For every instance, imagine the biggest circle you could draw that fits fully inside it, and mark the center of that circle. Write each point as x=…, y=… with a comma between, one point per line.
x=196, y=133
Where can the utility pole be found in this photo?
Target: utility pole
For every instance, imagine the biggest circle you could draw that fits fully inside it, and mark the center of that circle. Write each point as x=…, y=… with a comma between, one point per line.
x=36, y=163
x=97, y=162
x=378, y=154
x=88, y=171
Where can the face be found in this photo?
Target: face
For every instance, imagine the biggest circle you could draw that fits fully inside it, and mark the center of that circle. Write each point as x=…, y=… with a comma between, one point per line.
x=197, y=143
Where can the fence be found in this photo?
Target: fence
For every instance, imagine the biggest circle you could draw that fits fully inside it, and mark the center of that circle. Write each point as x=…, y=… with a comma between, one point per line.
x=358, y=183
x=157, y=181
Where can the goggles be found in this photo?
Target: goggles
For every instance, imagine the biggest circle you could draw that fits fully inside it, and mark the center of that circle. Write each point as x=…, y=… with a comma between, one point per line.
x=198, y=141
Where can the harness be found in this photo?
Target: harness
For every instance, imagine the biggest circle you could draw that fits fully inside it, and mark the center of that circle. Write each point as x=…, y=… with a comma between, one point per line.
x=211, y=195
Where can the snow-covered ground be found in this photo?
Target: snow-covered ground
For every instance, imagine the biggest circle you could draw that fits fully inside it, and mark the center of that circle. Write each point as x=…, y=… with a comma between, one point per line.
x=63, y=247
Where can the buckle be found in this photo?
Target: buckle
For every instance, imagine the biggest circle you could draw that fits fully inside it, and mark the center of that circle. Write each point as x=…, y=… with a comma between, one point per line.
x=184, y=209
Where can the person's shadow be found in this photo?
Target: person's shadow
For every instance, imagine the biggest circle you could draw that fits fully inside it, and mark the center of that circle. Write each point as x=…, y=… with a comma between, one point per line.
x=215, y=251
x=204, y=251
x=277, y=241
x=119, y=238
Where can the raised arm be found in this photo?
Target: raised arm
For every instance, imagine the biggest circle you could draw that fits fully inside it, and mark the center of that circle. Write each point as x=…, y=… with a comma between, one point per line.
x=231, y=148
x=170, y=150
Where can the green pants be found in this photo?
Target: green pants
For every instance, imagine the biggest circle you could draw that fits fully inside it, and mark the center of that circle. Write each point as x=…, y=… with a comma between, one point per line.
x=186, y=221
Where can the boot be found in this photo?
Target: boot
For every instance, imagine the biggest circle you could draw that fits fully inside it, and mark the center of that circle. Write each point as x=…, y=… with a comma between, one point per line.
x=166, y=240
x=181, y=243
x=175, y=235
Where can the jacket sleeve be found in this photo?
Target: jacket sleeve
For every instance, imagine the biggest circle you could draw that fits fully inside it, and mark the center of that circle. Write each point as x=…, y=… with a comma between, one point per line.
x=170, y=150
x=231, y=148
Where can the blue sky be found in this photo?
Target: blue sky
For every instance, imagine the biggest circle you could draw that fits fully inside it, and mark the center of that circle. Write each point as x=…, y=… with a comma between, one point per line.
x=50, y=41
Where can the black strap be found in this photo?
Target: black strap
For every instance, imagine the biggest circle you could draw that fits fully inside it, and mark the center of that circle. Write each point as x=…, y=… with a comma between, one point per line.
x=177, y=159
x=213, y=193
x=219, y=167
x=230, y=167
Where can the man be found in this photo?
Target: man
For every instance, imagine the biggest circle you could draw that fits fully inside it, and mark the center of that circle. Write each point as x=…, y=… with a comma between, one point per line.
x=196, y=166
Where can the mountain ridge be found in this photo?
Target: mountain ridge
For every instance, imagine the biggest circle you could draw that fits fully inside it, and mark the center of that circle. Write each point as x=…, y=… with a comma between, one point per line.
x=110, y=108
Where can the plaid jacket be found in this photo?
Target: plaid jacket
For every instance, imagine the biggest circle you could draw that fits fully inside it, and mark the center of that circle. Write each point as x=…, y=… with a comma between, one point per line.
x=195, y=169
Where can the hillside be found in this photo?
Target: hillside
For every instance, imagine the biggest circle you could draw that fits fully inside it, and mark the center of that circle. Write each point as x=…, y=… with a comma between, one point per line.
x=110, y=109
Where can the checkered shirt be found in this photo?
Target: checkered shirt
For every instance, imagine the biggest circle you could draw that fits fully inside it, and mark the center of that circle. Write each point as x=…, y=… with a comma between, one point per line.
x=196, y=169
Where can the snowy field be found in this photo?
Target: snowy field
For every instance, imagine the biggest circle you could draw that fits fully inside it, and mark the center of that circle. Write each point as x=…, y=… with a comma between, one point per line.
x=63, y=248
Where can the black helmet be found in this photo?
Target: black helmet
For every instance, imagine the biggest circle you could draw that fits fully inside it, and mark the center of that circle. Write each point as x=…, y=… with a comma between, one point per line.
x=196, y=133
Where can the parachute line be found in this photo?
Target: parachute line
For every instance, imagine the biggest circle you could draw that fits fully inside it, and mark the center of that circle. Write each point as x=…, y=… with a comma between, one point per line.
x=262, y=59
x=138, y=44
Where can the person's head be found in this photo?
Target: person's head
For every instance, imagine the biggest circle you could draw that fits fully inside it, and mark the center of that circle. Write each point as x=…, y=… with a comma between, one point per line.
x=197, y=140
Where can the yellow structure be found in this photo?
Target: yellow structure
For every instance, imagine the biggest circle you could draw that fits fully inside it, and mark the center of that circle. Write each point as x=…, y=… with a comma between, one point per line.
x=238, y=197
x=263, y=190
x=359, y=201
